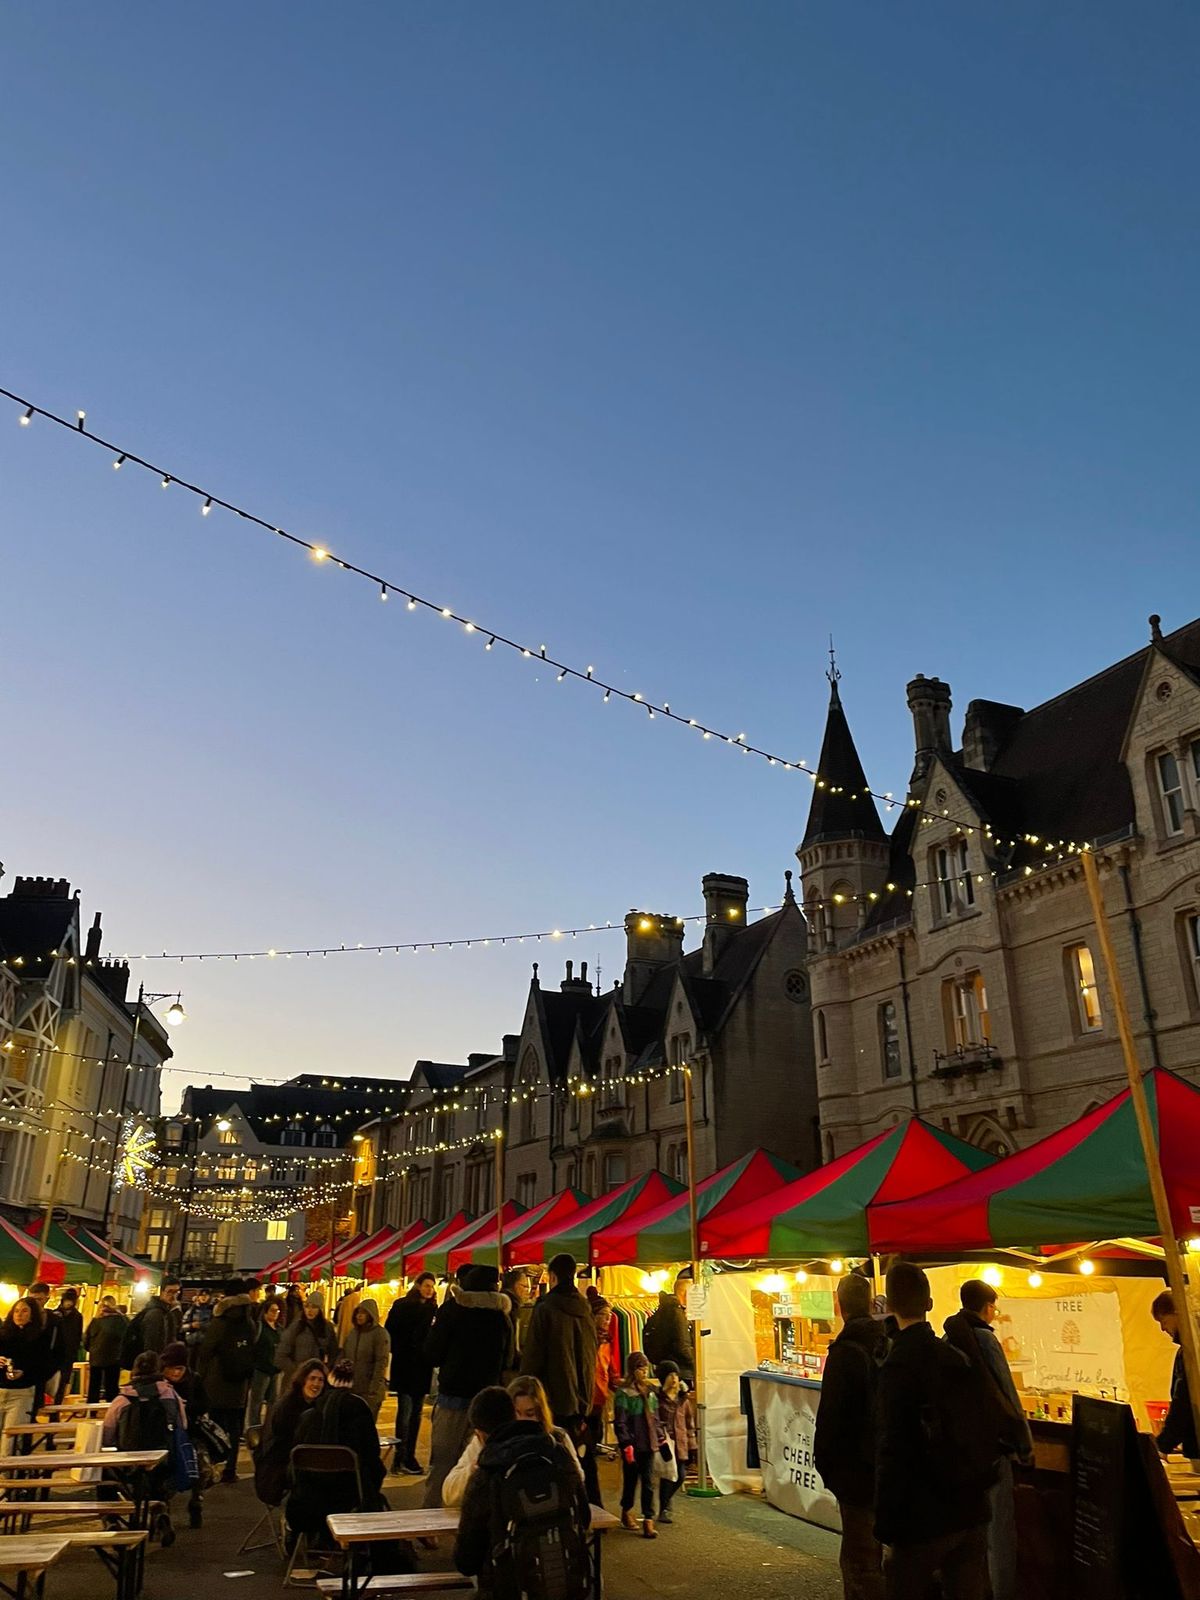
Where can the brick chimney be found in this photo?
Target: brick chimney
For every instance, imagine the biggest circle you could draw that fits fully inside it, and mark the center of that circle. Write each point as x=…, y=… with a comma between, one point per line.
x=929, y=702
x=652, y=941
x=725, y=898
x=576, y=985
x=40, y=889
x=95, y=936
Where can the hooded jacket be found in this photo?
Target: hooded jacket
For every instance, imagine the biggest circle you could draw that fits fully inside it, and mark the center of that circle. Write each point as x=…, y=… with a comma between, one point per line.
x=667, y=1336
x=232, y=1323
x=473, y=1545
x=407, y=1327
x=303, y=1341
x=560, y=1349
x=160, y=1325
x=844, y=1440
x=104, y=1337
x=369, y=1349
x=470, y=1342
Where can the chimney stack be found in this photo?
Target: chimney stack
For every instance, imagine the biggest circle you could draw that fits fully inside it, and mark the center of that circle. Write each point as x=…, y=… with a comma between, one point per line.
x=725, y=899
x=986, y=729
x=95, y=935
x=576, y=985
x=929, y=702
x=652, y=941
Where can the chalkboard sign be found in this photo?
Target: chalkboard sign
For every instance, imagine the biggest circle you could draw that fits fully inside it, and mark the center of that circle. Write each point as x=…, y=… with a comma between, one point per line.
x=1127, y=1538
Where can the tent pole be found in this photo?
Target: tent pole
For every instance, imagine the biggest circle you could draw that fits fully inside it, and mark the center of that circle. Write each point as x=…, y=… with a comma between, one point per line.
x=499, y=1201
x=44, y=1233
x=1137, y=1093
x=702, y=1484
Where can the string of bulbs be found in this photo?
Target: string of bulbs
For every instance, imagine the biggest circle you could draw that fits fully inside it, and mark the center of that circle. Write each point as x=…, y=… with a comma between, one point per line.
x=387, y=587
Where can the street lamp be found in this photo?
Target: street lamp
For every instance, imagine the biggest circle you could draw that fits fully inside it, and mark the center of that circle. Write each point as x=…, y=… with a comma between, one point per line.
x=175, y=1015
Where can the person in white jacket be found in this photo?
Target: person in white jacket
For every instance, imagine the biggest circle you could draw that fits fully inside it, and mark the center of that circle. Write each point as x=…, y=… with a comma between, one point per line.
x=531, y=1404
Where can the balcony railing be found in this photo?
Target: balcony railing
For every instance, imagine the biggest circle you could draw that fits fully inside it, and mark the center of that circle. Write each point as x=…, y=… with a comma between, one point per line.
x=966, y=1060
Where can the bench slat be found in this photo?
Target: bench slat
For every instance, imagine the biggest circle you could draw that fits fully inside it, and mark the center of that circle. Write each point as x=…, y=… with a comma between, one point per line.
x=404, y=1583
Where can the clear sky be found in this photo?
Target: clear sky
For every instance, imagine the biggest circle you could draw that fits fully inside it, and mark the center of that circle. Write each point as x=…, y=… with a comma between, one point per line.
x=674, y=336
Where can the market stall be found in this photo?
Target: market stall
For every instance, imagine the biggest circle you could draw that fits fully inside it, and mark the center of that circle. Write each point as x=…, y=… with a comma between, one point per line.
x=573, y=1235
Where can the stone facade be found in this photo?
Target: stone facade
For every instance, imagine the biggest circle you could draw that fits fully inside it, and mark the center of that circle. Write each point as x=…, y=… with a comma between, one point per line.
x=958, y=974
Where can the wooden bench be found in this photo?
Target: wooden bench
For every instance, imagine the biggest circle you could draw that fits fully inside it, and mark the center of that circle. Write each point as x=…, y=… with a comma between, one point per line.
x=404, y=1583
x=102, y=1509
x=122, y=1550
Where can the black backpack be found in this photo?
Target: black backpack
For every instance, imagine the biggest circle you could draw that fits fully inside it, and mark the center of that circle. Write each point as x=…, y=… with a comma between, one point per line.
x=958, y=1428
x=235, y=1354
x=131, y=1343
x=539, y=1543
x=148, y=1421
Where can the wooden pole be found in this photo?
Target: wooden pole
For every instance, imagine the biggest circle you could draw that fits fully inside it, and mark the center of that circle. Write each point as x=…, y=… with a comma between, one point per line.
x=1137, y=1094
x=500, y=1200
x=44, y=1235
x=689, y=1110
x=403, y=1217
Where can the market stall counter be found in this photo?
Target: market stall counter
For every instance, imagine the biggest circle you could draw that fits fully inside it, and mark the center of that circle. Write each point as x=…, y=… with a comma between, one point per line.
x=781, y=1421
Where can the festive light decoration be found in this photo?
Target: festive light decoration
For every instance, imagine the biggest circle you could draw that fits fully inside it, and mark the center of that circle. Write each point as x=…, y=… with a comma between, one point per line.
x=321, y=555
x=136, y=1154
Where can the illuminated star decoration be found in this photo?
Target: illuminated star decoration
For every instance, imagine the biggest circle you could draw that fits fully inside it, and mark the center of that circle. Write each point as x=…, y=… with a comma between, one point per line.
x=138, y=1153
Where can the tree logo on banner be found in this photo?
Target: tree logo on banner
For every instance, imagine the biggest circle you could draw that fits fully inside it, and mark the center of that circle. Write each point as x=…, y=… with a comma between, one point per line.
x=136, y=1154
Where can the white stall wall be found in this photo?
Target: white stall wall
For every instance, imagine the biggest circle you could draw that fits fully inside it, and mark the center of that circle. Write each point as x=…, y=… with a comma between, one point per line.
x=728, y=1352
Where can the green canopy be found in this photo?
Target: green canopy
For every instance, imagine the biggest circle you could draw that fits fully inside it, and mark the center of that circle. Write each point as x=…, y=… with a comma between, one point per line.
x=82, y=1267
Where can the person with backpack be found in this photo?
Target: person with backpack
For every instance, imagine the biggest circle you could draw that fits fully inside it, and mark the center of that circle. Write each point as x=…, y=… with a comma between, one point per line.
x=156, y=1325
x=341, y=1417
x=24, y=1358
x=667, y=1335
x=104, y=1340
x=225, y=1365
x=935, y=1459
x=970, y=1330
x=148, y=1415
x=470, y=1343
x=635, y=1422
x=523, y=1532
x=844, y=1439
x=368, y=1349
x=560, y=1349
x=407, y=1326
x=529, y=1399
x=185, y=1383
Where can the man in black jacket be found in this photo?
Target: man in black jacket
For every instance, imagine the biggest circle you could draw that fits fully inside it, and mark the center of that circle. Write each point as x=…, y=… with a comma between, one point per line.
x=560, y=1348
x=667, y=1335
x=70, y=1323
x=844, y=1446
x=931, y=1492
x=407, y=1326
x=1178, y=1431
x=470, y=1344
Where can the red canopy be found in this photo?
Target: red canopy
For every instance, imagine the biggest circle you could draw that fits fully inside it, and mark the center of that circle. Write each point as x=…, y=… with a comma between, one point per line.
x=293, y=1265
x=556, y=1213
x=374, y=1264
x=572, y=1235
x=457, y=1251
x=1087, y=1181
x=441, y=1233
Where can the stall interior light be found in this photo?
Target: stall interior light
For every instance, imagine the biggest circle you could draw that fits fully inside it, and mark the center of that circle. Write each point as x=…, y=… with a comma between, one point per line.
x=394, y=1284
x=1087, y=1267
x=8, y=1293
x=802, y=1276
x=992, y=1275
x=652, y=1282
x=1035, y=1280
x=141, y=1287
x=1193, y=1247
x=773, y=1283
x=837, y=1266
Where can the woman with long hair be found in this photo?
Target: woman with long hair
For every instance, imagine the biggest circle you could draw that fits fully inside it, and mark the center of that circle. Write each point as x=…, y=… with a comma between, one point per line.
x=24, y=1350
x=635, y=1420
x=531, y=1405
x=311, y=1338
x=274, y=1452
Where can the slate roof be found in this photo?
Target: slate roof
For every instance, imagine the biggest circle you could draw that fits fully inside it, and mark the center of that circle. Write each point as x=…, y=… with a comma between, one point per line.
x=268, y=1108
x=834, y=813
x=31, y=926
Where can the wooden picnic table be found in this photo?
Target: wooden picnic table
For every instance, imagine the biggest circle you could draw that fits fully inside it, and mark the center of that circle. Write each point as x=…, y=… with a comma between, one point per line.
x=27, y=1556
x=79, y=1408
x=131, y=1467
x=31, y=1434
x=353, y=1529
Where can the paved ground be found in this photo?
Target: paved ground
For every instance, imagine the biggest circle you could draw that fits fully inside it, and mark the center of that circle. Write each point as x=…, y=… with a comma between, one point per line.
x=737, y=1548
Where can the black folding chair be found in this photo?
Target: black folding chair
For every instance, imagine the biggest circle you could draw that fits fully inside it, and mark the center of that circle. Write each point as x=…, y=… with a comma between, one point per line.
x=325, y=1477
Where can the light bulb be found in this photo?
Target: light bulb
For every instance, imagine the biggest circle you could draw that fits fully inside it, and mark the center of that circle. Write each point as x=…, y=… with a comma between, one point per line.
x=1035, y=1280
x=802, y=1276
x=166, y=482
x=993, y=1276
x=319, y=553
x=837, y=1266
x=383, y=591
x=26, y=419
x=176, y=1014
x=206, y=507
x=1087, y=1268
x=118, y=463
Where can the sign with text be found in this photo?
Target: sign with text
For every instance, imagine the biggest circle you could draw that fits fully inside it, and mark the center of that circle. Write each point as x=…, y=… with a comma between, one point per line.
x=1070, y=1343
x=697, y=1302
x=785, y=1421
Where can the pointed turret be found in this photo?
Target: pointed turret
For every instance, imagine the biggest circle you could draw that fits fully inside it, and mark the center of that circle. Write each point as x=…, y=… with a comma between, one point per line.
x=841, y=807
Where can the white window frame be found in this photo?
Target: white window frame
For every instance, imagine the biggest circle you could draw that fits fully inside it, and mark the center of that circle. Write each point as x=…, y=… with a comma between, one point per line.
x=1085, y=984
x=613, y=1088
x=1171, y=796
x=952, y=869
x=1192, y=934
x=277, y=1231
x=611, y=1157
x=889, y=1041
x=970, y=1020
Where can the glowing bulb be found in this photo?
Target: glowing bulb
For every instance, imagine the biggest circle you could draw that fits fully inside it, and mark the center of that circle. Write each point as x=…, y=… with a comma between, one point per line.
x=319, y=553
x=394, y=1284
x=8, y=1293
x=26, y=419
x=1087, y=1268
x=383, y=591
x=141, y=1287
x=1193, y=1245
x=412, y=604
x=118, y=463
x=166, y=482
x=206, y=507
x=358, y=1138
x=224, y=1125
x=802, y=1276
x=837, y=1266
x=773, y=1283
x=176, y=1014
x=490, y=642
x=992, y=1275
x=446, y=612
x=1035, y=1280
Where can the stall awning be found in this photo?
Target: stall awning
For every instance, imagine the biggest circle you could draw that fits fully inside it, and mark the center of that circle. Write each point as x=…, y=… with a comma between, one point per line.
x=558, y=1211
x=824, y=1213
x=83, y=1265
x=292, y=1266
x=414, y=1256
x=1087, y=1181
x=375, y=1264
x=122, y=1264
x=19, y=1259
x=349, y=1257
x=437, y=1258
x=573, y=1236
x=664, y=1234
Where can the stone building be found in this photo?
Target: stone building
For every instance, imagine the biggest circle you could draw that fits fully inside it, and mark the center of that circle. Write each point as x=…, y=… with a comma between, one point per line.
x=736, y=1008
x=954, y=963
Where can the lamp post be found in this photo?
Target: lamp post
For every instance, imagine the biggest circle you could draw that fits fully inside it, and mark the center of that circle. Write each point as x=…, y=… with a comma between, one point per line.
x=175, y=1015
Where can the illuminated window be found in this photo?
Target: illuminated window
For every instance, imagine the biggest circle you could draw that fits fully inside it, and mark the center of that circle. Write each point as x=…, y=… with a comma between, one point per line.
x=227, y=1136
x=1170, y=787
x=277, y=1231
x=889, y=1039
x=1087, y=992
x=968, y=1025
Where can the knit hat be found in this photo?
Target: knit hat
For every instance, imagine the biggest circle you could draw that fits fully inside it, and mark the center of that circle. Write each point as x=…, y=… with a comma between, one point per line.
x=175, y=1355
x=482, y=1280
x=316, y=1298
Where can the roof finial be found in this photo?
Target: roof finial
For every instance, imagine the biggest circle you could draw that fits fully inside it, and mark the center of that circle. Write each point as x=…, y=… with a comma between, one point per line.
x=1155, y=629
x=535, y=976
x=832, y=672
x=789, y=899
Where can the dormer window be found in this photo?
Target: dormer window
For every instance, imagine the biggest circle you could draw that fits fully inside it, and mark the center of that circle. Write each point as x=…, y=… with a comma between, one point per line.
x=612, y=1088
x=955, y=883
x=324, y=1138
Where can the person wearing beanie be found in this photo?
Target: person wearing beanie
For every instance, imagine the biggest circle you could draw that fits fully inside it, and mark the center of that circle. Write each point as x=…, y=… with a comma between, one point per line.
x=560, y=1348
x=309, y=1338
x=471, y=1344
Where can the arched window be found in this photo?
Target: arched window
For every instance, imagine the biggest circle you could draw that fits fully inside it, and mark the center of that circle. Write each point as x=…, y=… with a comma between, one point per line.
x=529, y=1082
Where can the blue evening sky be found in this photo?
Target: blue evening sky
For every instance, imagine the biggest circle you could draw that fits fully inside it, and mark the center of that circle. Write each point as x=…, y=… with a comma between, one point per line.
x=674, y=336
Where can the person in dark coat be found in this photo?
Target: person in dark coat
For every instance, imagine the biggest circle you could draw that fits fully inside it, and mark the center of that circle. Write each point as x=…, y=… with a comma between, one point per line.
x=844, y=1441
x=1178, y=1431
x=408, y=1323
x=518, y=1286
x=274, y=1452
x=188, y=1387
x=470, y=1344
x=560, y=1348
x=47, y=1379
x=24, y=1364
x=70, y=1324
x=225, y=1366
x=162, y=1320
x=103, y=1341
x=504, y=1441
x=667, y=1335
x=970, y=1330
x=930, y=1512
x=341, y=1417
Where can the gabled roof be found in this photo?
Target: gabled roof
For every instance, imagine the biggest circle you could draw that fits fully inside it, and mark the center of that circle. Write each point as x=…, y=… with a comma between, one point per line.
x=269, y=1108
x=835, y=813
x=560, y=1012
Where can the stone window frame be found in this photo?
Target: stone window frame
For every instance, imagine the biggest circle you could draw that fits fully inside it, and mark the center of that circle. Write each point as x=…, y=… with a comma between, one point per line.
x=1078, y=989
x=889, y=1040
x=955, y=891
x=821, y=1037
x=959, y=985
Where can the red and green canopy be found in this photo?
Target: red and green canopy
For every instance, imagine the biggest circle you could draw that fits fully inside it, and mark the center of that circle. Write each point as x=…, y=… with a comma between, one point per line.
x=573, y=1235
x=557, y=1209
x=373, y=1265
x=825, y=1212
x=19, y=1262
x=452, y=1253
x=349, y=1257
x=414, y=1255
x=1087, y=1181
x=82, y=1266
x=664, y=1233
x=293, y=1265
x=121, y=1263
